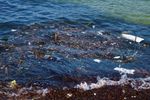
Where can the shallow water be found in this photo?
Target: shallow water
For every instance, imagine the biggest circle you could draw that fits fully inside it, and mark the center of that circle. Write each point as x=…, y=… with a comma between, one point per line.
x=55, y=43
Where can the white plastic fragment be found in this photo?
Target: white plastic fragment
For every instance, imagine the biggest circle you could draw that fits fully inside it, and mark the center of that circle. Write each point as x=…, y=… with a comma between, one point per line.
x=29, y=43
x=117, y=57
x=132, y=37
x=47, y=56
x=13, y=30
x=100, y=33
x=97, y=60
x=69, y=95
x=124, y=70
x=93, y=26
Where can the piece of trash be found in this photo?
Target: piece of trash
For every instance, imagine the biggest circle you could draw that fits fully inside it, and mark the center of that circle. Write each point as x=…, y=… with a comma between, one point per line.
x=47, y=57
x=100, y=33
x=29, y=43
x=97, y=60
x=117, y=57
x=94, y=93
x=124, y=70
x=93, y=26
x=13, y=30
x=13, y=84
x=132, y=37
x=69, y=95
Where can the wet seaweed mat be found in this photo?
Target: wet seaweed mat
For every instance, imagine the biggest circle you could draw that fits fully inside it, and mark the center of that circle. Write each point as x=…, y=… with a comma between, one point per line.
x=62, y=55
x=104, y=93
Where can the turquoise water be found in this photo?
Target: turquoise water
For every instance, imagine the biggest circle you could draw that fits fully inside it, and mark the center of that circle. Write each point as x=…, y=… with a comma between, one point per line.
x=136, y=11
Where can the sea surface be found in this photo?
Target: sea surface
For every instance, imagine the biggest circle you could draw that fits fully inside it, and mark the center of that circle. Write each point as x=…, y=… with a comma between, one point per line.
x=65, y=42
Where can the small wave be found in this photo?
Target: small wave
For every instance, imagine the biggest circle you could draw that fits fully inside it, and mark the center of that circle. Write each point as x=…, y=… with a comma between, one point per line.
x=124, y=70
x=137, y=84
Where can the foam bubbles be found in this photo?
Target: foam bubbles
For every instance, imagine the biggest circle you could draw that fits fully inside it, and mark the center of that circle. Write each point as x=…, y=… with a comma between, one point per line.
x=137, y=84
x=124, y=70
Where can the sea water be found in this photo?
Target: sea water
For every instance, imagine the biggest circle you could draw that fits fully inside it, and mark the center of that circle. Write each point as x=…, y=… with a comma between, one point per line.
x=91, y=43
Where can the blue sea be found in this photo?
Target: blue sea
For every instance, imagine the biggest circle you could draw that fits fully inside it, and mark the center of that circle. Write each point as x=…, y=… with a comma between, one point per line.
x=65, y=42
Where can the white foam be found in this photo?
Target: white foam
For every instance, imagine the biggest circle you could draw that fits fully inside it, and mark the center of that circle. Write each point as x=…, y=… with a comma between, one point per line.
x=124, y=70
x=137, y=84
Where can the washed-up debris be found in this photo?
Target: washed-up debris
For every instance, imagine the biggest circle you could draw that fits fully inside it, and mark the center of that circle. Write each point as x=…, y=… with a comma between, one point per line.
x=69, y=95
x=95, y=94
x=13, y=84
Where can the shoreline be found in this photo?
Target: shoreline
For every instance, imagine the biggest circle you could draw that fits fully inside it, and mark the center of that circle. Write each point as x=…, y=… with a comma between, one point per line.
x=104, y=93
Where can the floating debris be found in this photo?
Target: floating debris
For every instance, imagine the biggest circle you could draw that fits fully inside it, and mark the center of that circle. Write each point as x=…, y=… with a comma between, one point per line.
x=100, y=33
x=13, y=30
x=93, y=26
x=97, y=60
x=132, y=37
x=117, y=57
x=29, y=43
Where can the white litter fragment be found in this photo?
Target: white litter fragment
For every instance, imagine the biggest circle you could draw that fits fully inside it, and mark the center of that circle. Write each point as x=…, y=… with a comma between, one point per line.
x=29, y=43
x=13, y=30
x=47, y=56
x=97, y=60
x=132, y=37
x=93, y=26
x=117, y=57
x=69, y=95
x=99, y=33
x=124, y=70
x=83, y=32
